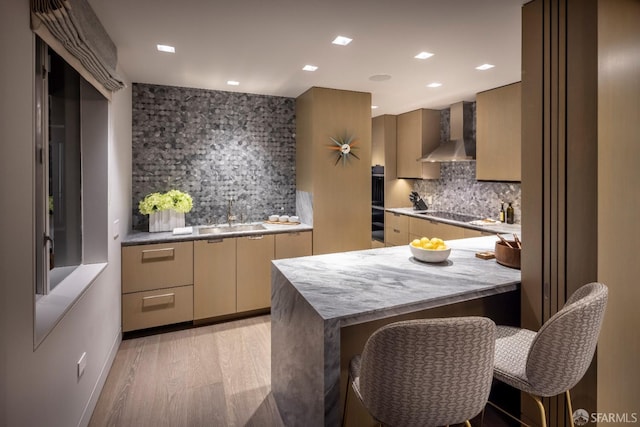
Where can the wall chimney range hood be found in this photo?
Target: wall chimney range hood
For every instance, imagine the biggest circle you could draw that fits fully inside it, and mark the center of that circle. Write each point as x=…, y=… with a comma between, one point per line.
x=462, y=144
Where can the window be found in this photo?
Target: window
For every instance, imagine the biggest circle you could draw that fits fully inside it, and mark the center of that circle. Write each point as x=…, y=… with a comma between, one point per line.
x=59, y=171
x=71, y=151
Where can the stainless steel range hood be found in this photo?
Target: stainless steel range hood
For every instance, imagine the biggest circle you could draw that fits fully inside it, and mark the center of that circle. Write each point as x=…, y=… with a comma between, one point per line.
x=462, y=144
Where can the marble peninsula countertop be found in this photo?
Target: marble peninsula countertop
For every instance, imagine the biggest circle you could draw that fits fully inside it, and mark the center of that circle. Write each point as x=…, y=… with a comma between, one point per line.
x=146, y=238
x=359, y=286
x=497, y=227
x=313, y=299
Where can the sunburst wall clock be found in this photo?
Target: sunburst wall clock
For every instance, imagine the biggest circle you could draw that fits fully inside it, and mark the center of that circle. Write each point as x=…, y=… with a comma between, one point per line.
x=345, y=147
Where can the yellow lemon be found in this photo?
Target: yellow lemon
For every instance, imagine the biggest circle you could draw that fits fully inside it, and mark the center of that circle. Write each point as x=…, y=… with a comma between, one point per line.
x=416, y=243
x=424, y=240
x=428, y=245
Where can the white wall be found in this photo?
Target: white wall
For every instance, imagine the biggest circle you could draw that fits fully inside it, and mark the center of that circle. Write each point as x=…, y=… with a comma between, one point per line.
x=40, y=387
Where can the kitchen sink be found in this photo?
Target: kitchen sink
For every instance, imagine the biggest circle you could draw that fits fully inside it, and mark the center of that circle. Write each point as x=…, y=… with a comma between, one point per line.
x=224, y=229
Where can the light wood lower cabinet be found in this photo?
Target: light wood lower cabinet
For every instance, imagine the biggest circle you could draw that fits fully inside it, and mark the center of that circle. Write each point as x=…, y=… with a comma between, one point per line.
x=291, y=245
x=141, y=310
x=254, y=272
x=157, y=285
x=161, y=265
x=425, y=228
x=185, y=281
x=396, y=229
x=468, y=232
x=214, y=278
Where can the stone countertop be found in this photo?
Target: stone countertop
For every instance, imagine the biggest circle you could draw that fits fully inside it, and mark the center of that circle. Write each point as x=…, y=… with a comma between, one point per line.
x=499, y=227
x=146, y=238
x=359, y=286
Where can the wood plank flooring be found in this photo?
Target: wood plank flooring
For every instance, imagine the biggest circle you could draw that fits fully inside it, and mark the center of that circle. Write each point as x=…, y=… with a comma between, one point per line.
x=214, y=375
x=209, y=376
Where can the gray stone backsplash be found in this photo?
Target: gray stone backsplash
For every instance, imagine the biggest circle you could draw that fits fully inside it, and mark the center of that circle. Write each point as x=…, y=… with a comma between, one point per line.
x=216, y=146
x=457, y=190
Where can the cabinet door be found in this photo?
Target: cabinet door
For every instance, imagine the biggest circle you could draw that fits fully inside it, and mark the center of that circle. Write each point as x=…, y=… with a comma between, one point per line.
x=214, y=275
x=426, y=228
x=254, y=272
x=418, y=133
x=162, y=265
x=498, y=138
x=291, y=245
x=396, y=229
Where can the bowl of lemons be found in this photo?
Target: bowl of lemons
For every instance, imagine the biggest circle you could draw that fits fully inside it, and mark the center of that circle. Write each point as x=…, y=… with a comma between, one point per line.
x=429, y=250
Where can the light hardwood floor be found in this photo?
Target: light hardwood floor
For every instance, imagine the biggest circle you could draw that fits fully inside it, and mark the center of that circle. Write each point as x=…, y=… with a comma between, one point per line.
x=209, y=376
x=214, y=375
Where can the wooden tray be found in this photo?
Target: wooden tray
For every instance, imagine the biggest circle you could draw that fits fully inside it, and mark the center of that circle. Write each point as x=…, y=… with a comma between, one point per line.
x=282, y=223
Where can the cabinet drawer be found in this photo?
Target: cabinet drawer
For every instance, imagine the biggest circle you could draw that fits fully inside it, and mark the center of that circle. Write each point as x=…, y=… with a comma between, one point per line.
x=142, y=310
x=147, y=267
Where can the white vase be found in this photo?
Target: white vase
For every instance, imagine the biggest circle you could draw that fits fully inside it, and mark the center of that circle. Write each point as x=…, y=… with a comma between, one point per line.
x=165, y=220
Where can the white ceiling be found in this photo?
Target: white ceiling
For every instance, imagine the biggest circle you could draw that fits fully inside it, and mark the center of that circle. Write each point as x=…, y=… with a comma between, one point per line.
x=264, y=44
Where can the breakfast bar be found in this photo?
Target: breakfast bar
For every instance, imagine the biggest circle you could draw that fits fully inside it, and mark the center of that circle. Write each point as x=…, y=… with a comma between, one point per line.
x=316, y=299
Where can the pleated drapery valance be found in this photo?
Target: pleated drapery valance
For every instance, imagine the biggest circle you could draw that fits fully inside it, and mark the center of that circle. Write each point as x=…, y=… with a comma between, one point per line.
x=76, y=26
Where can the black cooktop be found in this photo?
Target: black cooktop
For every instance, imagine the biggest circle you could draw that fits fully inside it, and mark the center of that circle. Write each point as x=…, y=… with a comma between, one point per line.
x=450, y=215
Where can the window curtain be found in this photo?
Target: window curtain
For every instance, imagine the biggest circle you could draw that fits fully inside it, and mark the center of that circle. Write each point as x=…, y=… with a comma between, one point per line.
x=76, y=26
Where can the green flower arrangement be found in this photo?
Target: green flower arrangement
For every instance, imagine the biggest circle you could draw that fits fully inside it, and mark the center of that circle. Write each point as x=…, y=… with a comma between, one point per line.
x=173, y=199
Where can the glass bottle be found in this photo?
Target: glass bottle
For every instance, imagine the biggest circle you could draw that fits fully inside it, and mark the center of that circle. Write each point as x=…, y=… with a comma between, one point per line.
x=509, y=214
x=502, y=219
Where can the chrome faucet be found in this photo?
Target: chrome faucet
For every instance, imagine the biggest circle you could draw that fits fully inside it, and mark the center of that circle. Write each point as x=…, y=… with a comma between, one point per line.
x=230, y=216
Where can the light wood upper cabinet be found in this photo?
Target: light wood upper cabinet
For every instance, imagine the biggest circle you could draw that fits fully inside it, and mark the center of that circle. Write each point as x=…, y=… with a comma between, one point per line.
x=418, y=133
x=291, y=245
x=498, y=134
x=214, y=275
x=254, y=272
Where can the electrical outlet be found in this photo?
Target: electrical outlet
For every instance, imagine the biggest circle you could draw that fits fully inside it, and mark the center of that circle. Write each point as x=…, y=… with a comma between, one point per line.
x=82, y=363
x=429, y=200
x=116, y=229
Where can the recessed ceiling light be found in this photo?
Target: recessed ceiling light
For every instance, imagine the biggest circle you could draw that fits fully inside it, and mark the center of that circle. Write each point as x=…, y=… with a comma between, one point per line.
x=166, y=48
x=373, y=107
x=309, y=67
x=342, y=40
x=423, y=55
x=434, y=84
x=232, y=83
x=484, y=67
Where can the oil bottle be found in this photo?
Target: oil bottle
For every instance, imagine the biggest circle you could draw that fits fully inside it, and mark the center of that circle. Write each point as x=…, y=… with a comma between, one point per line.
x=501, y=211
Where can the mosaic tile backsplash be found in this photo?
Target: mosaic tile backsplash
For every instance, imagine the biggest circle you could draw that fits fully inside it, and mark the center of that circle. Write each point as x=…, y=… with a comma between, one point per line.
x=458, y=191
x=216, y=146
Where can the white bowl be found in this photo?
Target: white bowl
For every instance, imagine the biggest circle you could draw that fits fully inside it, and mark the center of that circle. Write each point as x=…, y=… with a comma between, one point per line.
x=294, y=219
x=284, y=218
x=430, y=255
x=274, y=218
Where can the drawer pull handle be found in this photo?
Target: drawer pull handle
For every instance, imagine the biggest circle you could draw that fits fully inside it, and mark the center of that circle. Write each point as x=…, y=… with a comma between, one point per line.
x=395, y=230
x=154, y=254
x=260, y=237
x=156, y=300
x=215, y=241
